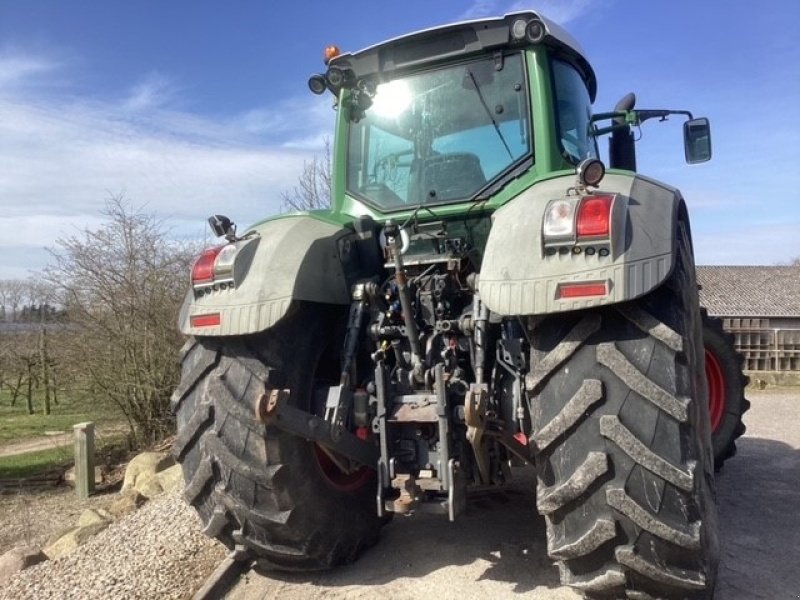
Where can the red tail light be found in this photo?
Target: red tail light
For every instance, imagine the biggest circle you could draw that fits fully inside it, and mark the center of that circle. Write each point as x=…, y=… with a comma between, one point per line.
x=203, y=269
x=594, y=216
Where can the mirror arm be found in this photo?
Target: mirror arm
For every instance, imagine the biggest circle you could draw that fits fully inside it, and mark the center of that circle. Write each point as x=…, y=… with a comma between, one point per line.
x=632, y=117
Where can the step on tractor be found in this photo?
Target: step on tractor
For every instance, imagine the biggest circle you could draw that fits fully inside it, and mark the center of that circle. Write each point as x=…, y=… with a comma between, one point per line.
x=482, y=294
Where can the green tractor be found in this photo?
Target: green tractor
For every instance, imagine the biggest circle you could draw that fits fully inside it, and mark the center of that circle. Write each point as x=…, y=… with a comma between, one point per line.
x=481, y=294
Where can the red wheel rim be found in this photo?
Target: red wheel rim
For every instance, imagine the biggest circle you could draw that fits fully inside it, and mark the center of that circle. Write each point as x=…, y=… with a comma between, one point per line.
x=344, y=482
x=716, y=390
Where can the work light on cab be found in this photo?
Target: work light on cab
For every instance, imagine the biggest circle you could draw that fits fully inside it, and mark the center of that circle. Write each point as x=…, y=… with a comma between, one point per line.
x=531, y=30
x=590, y=172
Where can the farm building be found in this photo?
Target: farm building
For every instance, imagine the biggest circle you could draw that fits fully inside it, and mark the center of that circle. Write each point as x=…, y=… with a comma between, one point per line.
x=761, y=307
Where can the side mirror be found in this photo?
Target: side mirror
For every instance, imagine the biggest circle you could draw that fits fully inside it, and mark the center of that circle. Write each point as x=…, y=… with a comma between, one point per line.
x=222, y=225
x=697, y=140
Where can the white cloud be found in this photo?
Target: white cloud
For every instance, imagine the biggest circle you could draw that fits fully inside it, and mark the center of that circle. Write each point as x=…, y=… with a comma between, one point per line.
x=152, y=92
x=294, y=118
x=14, y=69
x=479, y=9
x=560, y=11
x=62, y=158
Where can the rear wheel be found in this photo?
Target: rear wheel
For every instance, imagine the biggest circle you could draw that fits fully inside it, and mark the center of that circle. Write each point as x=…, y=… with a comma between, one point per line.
x=266, y=494
x=624, y=457
x=726, y=385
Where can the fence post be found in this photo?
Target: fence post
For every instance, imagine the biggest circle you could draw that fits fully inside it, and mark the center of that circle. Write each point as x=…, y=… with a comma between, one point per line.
x=84, y=459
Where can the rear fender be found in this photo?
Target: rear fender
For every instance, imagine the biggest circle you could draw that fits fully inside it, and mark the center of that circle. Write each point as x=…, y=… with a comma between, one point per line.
x=518, y=278
x=295, y=258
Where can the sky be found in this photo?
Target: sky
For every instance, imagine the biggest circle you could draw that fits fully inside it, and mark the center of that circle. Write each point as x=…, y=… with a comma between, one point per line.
x=193, y=107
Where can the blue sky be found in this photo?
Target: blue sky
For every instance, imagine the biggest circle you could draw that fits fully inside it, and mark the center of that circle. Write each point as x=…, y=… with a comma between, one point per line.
x=196, y=107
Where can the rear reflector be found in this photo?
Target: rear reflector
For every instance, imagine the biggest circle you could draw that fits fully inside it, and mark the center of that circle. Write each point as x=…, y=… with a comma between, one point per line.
x=209, y=320
x=582, y=290
x=594, y=216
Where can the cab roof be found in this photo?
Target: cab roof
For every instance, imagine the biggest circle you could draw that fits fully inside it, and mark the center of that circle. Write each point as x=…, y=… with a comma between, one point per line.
x=462, y=39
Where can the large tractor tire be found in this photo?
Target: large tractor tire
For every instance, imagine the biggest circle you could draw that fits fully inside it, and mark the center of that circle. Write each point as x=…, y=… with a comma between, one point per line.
x=268, y=495
x=726, y=384
x=621, y=432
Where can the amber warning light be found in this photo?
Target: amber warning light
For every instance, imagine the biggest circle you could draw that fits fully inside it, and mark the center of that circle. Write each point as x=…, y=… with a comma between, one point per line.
x=330, y=53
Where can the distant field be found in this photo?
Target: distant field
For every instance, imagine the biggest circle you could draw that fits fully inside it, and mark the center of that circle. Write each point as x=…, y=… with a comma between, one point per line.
x=16, y=424
x=48, y=450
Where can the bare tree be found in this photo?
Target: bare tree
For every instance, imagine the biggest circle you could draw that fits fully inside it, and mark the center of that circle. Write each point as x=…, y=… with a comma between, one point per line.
x=26, y=360
x=12, y=295
x=122, y=286
x=41, y=299
x=313, y=189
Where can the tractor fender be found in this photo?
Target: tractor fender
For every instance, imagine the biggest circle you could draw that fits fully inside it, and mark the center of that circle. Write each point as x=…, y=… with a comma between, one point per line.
x=518, y=278
x=294, y=258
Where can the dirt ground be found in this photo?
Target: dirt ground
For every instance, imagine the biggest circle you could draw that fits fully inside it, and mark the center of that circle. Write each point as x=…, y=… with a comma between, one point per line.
x=498, y=550
x=59, y=440
x=56, y=440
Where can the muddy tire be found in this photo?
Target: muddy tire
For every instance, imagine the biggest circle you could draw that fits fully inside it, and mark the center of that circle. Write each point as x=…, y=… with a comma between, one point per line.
x=621, y=431
x=726, y=385
x=265, y=493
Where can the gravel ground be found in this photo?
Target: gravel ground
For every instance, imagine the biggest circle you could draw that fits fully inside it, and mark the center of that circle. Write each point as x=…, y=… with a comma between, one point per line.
x=497, y=551
x=156, y=552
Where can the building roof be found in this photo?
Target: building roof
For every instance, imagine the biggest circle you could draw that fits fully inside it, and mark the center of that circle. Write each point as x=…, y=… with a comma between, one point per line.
x=750, y=291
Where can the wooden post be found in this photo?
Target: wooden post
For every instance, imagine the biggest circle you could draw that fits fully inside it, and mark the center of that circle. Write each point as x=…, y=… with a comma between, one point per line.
x=84, y=459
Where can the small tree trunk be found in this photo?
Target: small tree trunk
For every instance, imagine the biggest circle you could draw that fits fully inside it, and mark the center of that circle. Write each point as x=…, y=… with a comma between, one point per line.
x=30, y=388
x=44, y=364
x=15, y=391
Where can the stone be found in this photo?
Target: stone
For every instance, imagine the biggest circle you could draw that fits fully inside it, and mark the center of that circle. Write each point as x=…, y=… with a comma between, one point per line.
x=148, y=485
x=143, y=467
x=18, y=559
x=69, y=475
x=91, y=516
x=54, y=537
x=126, y=503
x=171, y=479
x=68, y=542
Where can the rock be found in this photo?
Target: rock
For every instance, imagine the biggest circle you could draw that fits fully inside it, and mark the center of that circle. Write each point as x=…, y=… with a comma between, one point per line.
x=69, y=475
x=126, y=503
x=91, y=516
x=18, y=559
x=171, y=478
x=142, y=469
x=59, y=534
x=148, y=485
x=72, y=539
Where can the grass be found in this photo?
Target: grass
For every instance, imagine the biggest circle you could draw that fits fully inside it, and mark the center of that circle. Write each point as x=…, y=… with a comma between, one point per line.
x=20, y=466
x=16, y=424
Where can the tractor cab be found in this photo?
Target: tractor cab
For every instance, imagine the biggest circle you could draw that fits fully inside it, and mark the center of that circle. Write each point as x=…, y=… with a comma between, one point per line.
x=456, y=114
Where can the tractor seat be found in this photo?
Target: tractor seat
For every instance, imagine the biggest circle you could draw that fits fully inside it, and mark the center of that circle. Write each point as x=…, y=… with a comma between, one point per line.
x=451, y=176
